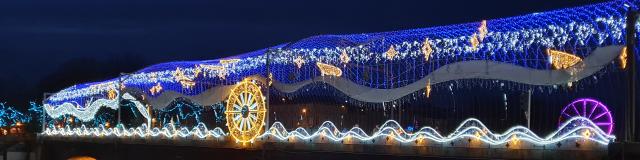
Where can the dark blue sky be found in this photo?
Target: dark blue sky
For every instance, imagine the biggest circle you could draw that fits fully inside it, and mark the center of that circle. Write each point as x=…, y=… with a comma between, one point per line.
x=48, y=45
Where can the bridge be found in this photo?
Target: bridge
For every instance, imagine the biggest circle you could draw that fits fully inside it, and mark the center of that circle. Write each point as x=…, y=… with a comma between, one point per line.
x=541, y=85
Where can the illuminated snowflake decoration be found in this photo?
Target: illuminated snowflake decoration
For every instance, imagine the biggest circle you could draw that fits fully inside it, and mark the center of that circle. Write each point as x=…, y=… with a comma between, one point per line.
x=391, y=53
x=344, y=57
x=299, y=62
x=426, y=49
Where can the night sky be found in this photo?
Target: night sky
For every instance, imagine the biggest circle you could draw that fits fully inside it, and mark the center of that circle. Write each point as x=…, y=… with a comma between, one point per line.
x=47, y=46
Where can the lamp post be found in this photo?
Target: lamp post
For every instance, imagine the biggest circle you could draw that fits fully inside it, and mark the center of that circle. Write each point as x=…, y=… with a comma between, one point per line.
x=630, y=111
x=305, y=121
x=45, y=95
x=121, y=80
x=269, y=81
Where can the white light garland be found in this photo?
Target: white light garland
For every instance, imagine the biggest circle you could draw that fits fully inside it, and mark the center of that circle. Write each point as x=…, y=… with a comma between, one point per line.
x=572, y=129
x=578, y=128
x=88, y=112
x=200, y=131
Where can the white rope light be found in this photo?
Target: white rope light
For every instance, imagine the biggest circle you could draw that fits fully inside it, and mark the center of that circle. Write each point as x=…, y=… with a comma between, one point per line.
x=572, y=129
x=200, y=131
x=87, y=113
x=470, y=128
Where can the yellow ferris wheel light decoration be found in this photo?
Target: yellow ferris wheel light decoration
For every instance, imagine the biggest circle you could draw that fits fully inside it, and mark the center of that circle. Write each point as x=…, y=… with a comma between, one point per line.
x=245, y=111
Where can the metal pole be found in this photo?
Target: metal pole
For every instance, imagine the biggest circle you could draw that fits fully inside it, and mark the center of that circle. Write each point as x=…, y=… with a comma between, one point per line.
x=44, y=116
x=630, y=131
x=150, y=112
x=399, y=113
x=268, y=78
x=119, y=97
x=266, y=126
x=121, y=91
x=528, y=114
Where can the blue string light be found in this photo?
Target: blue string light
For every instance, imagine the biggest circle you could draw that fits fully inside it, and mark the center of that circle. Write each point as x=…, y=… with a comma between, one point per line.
x=9, y=116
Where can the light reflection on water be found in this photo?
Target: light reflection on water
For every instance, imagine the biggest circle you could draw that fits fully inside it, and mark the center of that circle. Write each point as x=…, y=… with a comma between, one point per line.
x=81, y=158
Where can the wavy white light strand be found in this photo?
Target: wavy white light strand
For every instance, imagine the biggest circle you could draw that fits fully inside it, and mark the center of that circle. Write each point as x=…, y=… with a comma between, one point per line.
x=87, y=113
x=470, y=128
x=575, y=127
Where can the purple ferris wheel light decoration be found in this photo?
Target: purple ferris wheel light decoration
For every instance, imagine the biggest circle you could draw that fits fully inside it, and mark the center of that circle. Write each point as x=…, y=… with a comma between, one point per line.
x=589, y=108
